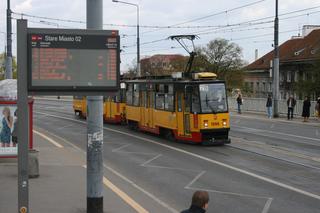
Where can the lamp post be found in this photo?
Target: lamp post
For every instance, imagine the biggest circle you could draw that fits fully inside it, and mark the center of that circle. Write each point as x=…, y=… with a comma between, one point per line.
x=276, y=65
x=138, y=34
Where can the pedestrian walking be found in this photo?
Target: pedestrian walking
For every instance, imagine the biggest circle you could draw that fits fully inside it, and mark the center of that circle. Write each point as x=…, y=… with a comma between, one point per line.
x=239, y=102
x=269, y=106
x=291, y=103
x=199, y=203
x=306, y=109
x=317, y=108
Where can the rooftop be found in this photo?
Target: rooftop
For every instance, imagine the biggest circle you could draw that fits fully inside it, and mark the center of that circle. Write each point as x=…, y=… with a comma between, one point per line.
x=296, y=49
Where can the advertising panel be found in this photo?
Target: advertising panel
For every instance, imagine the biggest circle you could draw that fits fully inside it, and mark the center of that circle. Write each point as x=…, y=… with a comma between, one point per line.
x=8, y=130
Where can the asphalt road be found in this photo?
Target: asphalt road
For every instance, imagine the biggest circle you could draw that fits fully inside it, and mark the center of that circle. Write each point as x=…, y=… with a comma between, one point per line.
x=270, y=166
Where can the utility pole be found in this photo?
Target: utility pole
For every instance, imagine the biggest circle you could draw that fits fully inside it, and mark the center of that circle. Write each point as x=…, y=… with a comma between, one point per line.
x=8, y=73
x=276, y=66
x=138, y=43
x=94, y=126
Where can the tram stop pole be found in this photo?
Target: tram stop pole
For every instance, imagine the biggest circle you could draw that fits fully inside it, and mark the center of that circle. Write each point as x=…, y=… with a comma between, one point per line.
x=94, y=126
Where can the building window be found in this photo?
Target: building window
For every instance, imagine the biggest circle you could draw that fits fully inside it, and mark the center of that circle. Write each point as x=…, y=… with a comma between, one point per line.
x=282, y=77
x=270, y=86
x=264, y=89
x=258, y=86
x=296, y=76
x=289, y=76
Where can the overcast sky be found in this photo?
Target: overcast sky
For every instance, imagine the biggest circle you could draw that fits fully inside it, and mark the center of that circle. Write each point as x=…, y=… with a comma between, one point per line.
x=170, y=12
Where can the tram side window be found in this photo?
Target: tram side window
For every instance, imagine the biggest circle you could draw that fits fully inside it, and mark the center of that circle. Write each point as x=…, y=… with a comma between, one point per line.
x=135, y=95
x=169, y=102
x=195, y=100
x=129, y=94
x=78, y=97
x=152, y=100
x=160, y=101
x=122, y=95
x=169, y=98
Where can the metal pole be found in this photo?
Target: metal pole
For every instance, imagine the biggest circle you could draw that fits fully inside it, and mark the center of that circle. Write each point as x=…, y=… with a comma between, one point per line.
x=276, y=66
x=138, y=43
x=8, y=73
x=23, y=115
x=95, y=127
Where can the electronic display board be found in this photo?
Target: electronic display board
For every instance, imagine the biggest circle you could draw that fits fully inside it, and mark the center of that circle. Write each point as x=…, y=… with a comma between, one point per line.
x=73, y=60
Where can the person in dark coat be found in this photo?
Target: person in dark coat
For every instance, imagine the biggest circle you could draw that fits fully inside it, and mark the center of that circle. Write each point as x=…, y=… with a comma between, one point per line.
x=199, y=204
x=317, y=108
x=306, y=109
x=239, y=102
x=269, y=106
x=291, y=103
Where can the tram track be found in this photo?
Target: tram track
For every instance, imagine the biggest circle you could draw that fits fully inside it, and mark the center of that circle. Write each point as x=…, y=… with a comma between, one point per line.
x=276, y=158
x=212, y=149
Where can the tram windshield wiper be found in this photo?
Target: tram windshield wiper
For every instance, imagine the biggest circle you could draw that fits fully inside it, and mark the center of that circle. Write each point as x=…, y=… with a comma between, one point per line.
x=209, y=105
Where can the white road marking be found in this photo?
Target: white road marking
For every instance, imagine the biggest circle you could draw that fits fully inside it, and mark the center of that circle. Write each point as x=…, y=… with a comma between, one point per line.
x=66, y=126
x=48, y=139
x=124, y=196
x=39, y=116
x=134, y=185
x=194, y=180
x=279, y=133
x=227, y=193
x=267, y=206
x=260, y=177
x=150, y=160
x=121, y=147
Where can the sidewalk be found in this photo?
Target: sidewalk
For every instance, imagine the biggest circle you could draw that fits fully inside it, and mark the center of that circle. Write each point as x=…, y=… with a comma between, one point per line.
x=61, y=186
x=283, y=118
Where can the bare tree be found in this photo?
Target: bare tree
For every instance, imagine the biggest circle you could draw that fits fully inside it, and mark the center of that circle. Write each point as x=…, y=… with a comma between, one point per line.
x=132, y=70
x=223, y=58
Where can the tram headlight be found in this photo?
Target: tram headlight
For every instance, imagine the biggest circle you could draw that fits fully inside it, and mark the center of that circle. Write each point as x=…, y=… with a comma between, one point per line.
x=224, y=122
x=205, y=124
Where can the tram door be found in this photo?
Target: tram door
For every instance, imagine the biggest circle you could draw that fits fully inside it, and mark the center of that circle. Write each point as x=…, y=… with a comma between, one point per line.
x=144, y=111
x=183, y=113
x=150, y=105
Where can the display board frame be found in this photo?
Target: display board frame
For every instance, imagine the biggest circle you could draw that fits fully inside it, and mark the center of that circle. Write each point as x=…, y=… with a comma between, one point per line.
x=67, y=90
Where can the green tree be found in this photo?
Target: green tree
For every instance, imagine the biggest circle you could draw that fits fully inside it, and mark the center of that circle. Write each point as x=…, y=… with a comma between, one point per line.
x=3, y=66
x=309, y=84
x=223, y=58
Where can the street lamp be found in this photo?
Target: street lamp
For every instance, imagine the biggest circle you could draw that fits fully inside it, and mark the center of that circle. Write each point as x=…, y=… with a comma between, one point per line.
x=138, y=32
x=276, y=64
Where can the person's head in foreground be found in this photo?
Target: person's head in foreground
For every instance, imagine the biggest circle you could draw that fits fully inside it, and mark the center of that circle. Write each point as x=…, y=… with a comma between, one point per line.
x=199, y=204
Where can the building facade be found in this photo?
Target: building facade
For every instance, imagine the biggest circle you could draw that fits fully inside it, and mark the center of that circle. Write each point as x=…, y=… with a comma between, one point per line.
x=297, y=57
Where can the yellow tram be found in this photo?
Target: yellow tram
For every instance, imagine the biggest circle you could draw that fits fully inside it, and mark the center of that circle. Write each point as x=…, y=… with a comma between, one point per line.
x=194, y=110
x=114, y=107
x=189, y=106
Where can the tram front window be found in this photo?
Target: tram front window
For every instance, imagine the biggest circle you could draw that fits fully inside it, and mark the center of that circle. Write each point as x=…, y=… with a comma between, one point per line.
x=213, y=98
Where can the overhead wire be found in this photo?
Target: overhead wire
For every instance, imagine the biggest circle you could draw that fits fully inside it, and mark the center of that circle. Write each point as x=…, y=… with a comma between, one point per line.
x=209, y=16
x=248, y=23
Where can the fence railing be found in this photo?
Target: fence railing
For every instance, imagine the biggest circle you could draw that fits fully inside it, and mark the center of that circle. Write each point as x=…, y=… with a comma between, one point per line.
x=259, y=105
